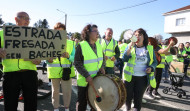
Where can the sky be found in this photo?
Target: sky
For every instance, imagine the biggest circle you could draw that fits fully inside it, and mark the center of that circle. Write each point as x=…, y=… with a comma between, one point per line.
x=80, y=13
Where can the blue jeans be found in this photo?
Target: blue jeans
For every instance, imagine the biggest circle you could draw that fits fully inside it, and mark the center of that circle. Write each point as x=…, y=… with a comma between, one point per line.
x=165, y=70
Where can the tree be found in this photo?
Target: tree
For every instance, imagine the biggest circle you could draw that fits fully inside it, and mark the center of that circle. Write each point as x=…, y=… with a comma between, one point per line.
x=41, y=24
x=77, y=35
x=1, y=21
x=121, y=36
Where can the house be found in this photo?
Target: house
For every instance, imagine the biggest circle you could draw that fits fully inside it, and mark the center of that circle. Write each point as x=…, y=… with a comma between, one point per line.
x=177, y=23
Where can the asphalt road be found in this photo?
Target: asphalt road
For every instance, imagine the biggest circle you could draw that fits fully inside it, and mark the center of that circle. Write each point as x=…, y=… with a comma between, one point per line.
x=168, y=102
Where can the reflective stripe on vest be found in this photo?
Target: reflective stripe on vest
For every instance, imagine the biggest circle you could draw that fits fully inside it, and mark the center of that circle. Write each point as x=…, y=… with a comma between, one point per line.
x=122, y=49
x=128, y=67
x=54, y=69
x=162, y=63
x=109, y=50
x=187, y=50
x=11, y=65
x=181, y=59
x=92, y=61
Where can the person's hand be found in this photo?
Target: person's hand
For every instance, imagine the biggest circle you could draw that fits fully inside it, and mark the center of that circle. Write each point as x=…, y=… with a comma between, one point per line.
x=65, y=55
x=113, y=58
x=148, y=70
x=172, y=42
x=89, y=79
x=106, y=57
x=2, y=53
x=131, y=44
x=36, y=61
x=102, y=70
x=50, y=60
x=185, y=54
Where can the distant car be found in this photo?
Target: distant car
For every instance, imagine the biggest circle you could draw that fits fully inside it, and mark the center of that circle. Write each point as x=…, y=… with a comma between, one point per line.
x=9, y=23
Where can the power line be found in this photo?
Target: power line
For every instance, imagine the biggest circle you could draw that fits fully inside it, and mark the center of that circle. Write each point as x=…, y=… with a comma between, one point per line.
x=116, y=9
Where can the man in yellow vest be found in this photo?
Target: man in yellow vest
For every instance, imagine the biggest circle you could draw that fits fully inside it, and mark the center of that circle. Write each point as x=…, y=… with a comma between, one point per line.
x=88, y=62
x=186, y=60
x=19, y=74
x=158, y=72
x=111, y=50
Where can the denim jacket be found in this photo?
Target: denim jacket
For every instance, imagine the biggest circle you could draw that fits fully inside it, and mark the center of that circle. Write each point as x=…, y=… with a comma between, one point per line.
x=126, y=58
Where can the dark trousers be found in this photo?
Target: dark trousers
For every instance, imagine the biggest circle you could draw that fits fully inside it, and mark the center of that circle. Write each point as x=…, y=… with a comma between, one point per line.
x=135, y=89
x=120, y=65
x=12, y=85
x=158, y=77
x=186, y=63
x=82, y=99
x=109, y=70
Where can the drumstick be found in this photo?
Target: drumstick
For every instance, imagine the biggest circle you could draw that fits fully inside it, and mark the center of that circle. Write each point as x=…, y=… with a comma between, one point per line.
x=98, y=98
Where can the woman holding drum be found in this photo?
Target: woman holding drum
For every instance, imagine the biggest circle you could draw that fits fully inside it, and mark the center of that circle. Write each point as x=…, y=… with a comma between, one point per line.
x=88, y=62
x=139, y=69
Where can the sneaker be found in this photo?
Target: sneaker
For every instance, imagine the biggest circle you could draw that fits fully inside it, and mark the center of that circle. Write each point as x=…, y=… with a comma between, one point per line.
x=156, y=94
x=56, y=109
x=149, y=95
x=21, y=97
x=144, y=101
x=67, y=109
x=49, y=84
x=132, y=105
x=1, y=97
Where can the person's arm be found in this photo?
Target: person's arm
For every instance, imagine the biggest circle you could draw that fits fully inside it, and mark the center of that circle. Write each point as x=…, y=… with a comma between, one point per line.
x=164, y=51
x=79, y=62
x=117, y=52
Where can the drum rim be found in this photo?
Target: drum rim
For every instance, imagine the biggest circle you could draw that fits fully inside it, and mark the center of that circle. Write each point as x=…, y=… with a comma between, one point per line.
x=108, y=76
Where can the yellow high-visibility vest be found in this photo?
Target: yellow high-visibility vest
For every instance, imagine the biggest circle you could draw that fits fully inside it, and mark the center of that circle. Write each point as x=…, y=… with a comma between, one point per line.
x=55, y=70
x=92, y=62
x=128, y=67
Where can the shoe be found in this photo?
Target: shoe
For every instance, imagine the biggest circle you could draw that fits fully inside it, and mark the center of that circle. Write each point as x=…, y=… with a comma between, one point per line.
x=144, y=101
x=149, y=95
x=21, y=97
x=49, y=84
x=156, y=94
x=132, y=105
x=56, y=109
x=67, y=109
x=1, y=97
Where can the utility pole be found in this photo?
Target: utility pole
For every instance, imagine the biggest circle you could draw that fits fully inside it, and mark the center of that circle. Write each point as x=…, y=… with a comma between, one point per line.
x=65, y=17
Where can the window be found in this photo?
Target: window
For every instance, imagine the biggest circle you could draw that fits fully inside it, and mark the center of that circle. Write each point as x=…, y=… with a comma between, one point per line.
x=180, y=21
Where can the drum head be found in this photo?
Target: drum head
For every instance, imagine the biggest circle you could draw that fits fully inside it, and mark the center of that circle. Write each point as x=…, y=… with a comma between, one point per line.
x=107, y=90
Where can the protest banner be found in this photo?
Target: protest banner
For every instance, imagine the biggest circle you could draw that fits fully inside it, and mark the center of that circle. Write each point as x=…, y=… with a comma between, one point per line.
x=33, y=43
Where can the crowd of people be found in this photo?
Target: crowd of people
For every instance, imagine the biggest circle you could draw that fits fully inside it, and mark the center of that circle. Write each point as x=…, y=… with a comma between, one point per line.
x=90, y=56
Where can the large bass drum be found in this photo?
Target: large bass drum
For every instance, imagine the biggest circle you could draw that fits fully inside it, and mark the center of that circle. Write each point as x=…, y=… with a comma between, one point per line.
x=112, y=91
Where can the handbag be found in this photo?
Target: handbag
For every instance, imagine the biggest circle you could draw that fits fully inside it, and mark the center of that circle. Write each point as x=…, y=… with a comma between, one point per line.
x=65, y=71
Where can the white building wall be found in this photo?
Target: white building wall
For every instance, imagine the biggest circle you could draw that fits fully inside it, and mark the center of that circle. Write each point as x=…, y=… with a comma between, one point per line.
x=170, y=22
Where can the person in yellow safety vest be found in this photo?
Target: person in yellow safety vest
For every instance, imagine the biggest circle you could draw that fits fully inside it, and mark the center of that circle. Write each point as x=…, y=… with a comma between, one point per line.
x=119, y=62
x=181, y=53
x=19, y=75
x=151, y=92
x=168, y=59
x=186, y=60
x=88, y=62
x=140, y=63
x=60, y=72
x=111, y=50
